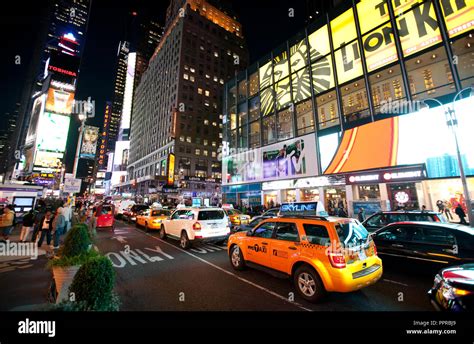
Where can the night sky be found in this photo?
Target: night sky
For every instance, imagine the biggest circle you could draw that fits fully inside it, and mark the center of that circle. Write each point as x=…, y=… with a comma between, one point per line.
x=265, y=23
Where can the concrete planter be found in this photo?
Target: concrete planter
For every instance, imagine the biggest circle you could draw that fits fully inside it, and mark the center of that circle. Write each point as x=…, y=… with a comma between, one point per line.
x=63, y=277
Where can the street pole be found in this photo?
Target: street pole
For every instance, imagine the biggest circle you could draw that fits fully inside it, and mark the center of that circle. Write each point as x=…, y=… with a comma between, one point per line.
x=452, y=122
x=78, y=148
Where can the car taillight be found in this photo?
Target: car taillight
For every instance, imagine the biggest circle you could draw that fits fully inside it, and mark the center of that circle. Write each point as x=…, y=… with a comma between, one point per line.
x=197, y=226
x=375, y=249
x=337, y=260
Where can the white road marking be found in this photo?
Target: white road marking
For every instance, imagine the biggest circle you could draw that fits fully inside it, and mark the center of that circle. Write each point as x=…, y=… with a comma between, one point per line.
x=296, y=304
x=120, y=239
x=394, y=282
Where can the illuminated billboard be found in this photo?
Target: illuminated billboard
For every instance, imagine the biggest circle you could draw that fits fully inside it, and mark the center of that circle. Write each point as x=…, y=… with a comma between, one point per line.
x=38, y=109
x=128, y=92
x=90, y=137
x=291, y=158
x=47, y=161
x=170, y=174
x=59, y=100
x=52, y=132
x=400, y=141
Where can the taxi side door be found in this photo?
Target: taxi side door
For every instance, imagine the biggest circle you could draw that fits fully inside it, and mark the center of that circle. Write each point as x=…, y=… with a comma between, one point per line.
x=285, y=248
x=257, y=246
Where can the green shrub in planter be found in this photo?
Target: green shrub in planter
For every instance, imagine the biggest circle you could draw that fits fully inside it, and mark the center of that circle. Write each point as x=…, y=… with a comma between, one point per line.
x=93, y=286
x=77, y=242
x=65, y=261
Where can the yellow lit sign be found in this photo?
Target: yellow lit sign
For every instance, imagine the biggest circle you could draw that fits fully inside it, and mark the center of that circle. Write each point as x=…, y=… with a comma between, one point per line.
x=459, y=16
x=418, y=29
x=379, y=47
x=376, y=10
x=319, y=43
x=343, y=29
x=170, y=178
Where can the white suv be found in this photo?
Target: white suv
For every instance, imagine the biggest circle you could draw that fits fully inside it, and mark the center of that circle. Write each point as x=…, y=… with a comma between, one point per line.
x=190, y=225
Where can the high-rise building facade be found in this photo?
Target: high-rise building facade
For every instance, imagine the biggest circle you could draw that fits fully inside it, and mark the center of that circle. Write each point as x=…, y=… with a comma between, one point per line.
x=337, y=114
x=62, y=33
x=176, y=118
x=53, y=103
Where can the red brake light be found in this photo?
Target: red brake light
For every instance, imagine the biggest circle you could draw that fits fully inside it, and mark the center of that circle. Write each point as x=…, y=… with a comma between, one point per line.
x=375, y=249
x=337, y=260
x=197, y=226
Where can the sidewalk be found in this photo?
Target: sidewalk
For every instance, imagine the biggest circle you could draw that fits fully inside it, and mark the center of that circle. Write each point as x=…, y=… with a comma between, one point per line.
x=24, y=281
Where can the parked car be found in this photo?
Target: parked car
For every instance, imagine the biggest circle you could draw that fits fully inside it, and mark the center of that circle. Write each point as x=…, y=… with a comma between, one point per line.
x=320, y=254
x=246, y=227
x=383, y=218
x=273, y=212
x=453, y=289
x=130, y=214
x=152, y=218
x=190, y=225
x=435, y=243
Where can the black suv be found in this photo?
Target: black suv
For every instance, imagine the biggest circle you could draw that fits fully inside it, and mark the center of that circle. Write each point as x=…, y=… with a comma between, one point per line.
x=383, y=218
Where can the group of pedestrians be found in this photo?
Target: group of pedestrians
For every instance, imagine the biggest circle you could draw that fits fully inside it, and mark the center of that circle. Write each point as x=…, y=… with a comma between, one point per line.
x=41, y=223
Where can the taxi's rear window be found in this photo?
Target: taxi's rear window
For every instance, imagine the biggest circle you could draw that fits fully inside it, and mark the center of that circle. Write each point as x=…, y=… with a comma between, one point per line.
x=211, y=215
x=317, y=234
x=351, y=233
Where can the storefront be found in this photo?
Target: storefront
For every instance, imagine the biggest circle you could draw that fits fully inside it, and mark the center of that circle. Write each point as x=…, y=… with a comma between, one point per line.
x=242, y=194
x=398, y=188
x=329, y=190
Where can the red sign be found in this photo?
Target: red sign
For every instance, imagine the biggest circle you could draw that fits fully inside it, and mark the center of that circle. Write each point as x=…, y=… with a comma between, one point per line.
x=62, y=71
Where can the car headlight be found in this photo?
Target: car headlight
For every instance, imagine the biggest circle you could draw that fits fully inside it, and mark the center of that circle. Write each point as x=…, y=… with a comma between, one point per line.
x=156, y=221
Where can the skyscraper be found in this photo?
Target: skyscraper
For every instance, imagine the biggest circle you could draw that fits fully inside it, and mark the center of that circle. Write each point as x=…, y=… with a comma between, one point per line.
x=52, y=81
x=176, y=113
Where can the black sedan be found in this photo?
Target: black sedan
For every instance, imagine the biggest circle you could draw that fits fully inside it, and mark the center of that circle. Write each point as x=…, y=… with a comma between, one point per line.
x=440, y=244
x=453, y=289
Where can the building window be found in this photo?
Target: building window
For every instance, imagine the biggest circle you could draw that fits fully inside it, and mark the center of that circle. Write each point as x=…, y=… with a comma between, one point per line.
x=206, y=122
x=242, y=90
x=255, y=134
x=205, y=152
x=285, y=124
x=430, y=75
x=197, y=151
x=304, y=117
x=254, y=108
x=205, y=142
x=386, y=85
x=242, y=114
x=463, y=48
x=253, y=84
x=185, y=76
x=188, y=139
x=269, y=130
x=199, y=90
x=328, y=115
x=354, y=101
x=181, y=138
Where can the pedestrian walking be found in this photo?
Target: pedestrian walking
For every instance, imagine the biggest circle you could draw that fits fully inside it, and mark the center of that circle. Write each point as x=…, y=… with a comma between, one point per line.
x=28, y=224
x=7, y=221
x=462, y=215
x=39, y=214
x=67, y=213
x=361, y=215
x=59, y=226
x=46, y=228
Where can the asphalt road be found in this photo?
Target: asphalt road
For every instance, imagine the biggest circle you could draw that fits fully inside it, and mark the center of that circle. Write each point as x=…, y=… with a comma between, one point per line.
x=158, y=275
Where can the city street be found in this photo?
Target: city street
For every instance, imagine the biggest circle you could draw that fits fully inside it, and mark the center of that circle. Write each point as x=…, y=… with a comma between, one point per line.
x=158, y=275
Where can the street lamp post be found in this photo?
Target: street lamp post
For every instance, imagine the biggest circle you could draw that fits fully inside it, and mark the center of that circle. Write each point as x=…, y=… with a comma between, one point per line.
x=82, y=118
x=452, y=122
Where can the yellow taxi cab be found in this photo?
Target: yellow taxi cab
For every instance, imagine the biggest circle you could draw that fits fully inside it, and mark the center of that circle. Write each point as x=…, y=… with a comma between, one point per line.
x=320, y=254
x=152, y=218
x=236, y=217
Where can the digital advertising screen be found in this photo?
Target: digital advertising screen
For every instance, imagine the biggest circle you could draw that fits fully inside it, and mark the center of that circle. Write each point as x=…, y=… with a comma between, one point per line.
x=52, y=132
x=60, y=101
